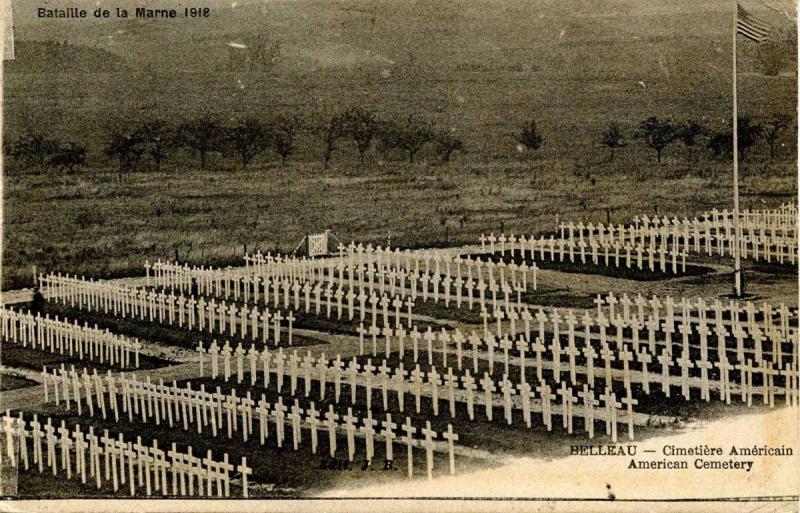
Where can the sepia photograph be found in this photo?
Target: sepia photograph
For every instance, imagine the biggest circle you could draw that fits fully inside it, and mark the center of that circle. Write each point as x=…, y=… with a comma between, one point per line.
x=528, y=255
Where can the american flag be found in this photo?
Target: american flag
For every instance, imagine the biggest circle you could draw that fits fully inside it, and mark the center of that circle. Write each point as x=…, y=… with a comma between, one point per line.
x=751, y=27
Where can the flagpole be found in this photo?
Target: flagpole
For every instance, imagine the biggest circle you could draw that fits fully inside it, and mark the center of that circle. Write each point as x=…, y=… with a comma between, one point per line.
x=737, y=264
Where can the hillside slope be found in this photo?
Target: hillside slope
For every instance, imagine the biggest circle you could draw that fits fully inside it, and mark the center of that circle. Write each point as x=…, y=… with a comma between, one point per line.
x=480, y=67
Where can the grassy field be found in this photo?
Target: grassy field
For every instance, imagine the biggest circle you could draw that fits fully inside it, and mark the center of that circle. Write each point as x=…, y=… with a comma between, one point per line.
x=91, y=224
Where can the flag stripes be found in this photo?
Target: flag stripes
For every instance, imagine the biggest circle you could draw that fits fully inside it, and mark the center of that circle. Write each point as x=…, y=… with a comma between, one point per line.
x=750, y=27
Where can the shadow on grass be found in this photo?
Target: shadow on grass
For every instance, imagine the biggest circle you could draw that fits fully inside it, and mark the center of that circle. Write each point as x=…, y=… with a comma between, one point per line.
x=25, y=357
x=610, y=271
x=162, y=334
x=11, y=381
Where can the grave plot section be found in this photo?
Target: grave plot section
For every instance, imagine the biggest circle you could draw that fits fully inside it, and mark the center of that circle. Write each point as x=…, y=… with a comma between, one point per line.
x=265, y=429
x=430, y=283
x=590, y=254
x=408, y=388
x=34, y=342
x=182, y=317
x=375, y=364
x=651, y=249
x=113, y=466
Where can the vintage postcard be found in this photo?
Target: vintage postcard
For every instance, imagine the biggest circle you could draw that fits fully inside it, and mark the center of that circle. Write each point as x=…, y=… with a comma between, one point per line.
x=490, y=255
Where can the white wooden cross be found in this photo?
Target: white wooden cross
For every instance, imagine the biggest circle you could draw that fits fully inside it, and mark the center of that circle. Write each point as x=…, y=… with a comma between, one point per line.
x=388, y=434
x=488, y=385
x=429, y=435
x=408, y=438
x=368, y=428
x=312, y=419
x=350, y=430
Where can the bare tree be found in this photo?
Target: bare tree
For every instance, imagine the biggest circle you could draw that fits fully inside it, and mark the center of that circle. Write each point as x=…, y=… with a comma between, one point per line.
x=158, y=138
x=748, y=134
x=127, y=148
x=69, y=157
x=34, y=148
x=284, y=133
x=362, y=125
x=658, y=134
x=410, y=137
x=530, y=136
x=720, y=143
x=688, y=133
x=332, y=130
x=445, y=143
x=248, y=139
x=612, y=139
x=202, y=135
x=772, y=129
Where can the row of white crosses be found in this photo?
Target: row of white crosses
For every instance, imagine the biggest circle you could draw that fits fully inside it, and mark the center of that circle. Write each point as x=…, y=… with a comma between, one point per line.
x=217, y=412
x=449, y=279
x=210, y=281
x=776, y=322
x=449, y=386
x=385, y=271
x=781, y=221
x=351, y=258
x=658, y=346
x=414, y=262
x=768, y=233
x=366, y=266
x=444, y=278
x=299, y=294
x=294, y=296
x=255, y=324
x=285, y=266
x=643, y=232
x=600, y=251
x=659, y=325
x=628, y=349
x=459, y=288
x=72, y=453
x=235, y=283
x=763, y=235
x=782, y=218
x=454, y=279
x=740, y=331
x=321, y=298
x=435, y=263
x=290, y=293
x=611, y=349
x=68, y=337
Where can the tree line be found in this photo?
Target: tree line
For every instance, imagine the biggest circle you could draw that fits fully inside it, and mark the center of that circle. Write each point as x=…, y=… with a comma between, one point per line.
x=658, y=134
x=244, y=140
x=40, y=151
